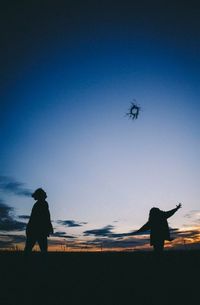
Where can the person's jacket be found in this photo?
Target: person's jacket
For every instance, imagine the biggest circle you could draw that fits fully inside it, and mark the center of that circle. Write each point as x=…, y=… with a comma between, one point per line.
x=40, y=222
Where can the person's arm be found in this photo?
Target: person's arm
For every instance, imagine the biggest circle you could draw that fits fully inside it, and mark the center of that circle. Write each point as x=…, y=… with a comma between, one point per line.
x=144, y=228
x=50, y=227
x=171, y=212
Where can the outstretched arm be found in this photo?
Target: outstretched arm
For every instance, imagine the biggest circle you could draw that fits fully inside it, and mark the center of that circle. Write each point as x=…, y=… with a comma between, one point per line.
x=144, y=228
x=171, y=212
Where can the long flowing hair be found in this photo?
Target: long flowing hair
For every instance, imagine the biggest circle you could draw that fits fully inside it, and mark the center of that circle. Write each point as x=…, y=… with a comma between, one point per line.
x=155, y=215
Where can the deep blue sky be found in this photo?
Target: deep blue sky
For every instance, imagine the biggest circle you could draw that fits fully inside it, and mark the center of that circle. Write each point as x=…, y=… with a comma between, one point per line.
x=69, y=72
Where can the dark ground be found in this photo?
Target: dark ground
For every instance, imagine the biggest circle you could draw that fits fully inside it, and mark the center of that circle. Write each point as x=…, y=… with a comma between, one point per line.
x=100, y=278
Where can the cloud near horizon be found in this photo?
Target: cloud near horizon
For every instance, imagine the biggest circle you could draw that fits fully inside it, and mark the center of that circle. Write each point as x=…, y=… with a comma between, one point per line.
x=11, y=240
x=70, y=223
x=7, y=219
x=104, y=232
x=107, y=232
x=193, y=217
x=63, y=235
x=122, y=243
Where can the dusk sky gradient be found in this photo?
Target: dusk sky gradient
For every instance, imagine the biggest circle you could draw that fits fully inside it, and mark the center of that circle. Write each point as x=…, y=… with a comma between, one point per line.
x=69, y=71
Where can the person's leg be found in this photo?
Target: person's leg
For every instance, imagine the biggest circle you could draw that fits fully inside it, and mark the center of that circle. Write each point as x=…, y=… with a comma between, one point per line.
x=30, y=242
x=158, y=247
x=42, y=241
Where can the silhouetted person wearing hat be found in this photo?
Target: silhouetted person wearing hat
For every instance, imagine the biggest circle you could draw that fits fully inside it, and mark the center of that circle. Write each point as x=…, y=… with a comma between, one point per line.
x=158, y=226
x=39, y=226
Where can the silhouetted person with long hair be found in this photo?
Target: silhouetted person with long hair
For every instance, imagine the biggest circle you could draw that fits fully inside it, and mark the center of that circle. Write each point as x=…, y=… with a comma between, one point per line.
x=39, y=226
x=158, y=226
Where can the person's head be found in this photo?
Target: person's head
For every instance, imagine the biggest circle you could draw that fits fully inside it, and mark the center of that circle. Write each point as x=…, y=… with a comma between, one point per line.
x=39, y=194
x=154, y=213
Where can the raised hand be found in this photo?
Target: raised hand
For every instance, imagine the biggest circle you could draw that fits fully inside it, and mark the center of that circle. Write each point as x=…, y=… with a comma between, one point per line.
x=178, y=206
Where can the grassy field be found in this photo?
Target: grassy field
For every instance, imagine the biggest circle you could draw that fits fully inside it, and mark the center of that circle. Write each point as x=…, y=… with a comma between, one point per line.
x=100, y=278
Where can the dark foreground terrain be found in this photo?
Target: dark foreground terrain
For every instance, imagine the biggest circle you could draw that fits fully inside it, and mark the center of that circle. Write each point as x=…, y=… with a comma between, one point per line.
x=100, y=278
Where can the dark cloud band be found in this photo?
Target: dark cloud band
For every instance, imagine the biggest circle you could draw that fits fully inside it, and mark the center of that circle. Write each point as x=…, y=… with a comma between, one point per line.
x=10, y=185
x=7, y=220
x=70, y=223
